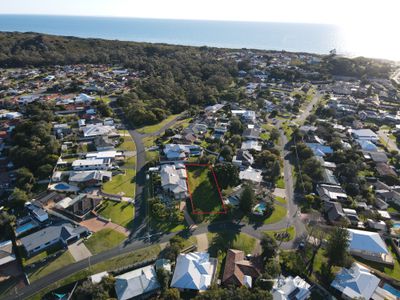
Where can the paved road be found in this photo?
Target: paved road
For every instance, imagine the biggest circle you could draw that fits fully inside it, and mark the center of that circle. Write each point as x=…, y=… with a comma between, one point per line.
x=134, y=243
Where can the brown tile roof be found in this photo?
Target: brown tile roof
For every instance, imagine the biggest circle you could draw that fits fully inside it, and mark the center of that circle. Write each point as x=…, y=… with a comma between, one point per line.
x=236, y=267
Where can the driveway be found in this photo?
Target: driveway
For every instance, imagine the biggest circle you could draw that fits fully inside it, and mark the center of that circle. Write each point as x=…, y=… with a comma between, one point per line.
x=387, y=141
x=79, y=251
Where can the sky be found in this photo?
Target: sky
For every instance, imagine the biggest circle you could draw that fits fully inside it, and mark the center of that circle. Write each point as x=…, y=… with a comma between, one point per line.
x=347, y=13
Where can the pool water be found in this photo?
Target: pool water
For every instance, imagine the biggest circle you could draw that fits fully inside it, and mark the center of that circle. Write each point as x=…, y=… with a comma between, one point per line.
x=391, y=290
x=25, y=227
x=61, y=186
x=260, y=208
x=396, y=225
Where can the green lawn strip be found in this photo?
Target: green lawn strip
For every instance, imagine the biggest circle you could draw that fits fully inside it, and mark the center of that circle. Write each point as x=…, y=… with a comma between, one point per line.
x=128, y=144
x=290, y=230
x=280, y=183
x=122, y=183
x=121, y=213
x=130, y=162
x=7, y=285
x=278, y=214
x=104, y=239
x=393, y=272
x=148, y=141
x=40, y=256
x=156, y=127
x=152, y=155
x=280, y=199
x=203, y=189
x=392, y=209
x=108, y=265
x=167, y=226
x=264, y=136
x=63, y=260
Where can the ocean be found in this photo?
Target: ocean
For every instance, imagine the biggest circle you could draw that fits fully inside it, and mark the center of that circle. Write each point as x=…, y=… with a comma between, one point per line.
x=312, y=38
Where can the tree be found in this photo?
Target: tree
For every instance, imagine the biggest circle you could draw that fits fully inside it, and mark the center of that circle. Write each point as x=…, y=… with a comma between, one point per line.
x=337, y=247
x=236, y=127
x=163, y=277
x=7, y=222
x=269, y=246
x=24, y=179
x=226, y=153
x=171, y=294
x=303, y=151
x=312, y=167
x=247, y=199
x=18, y=198
x=274, y=135
x=227, y=175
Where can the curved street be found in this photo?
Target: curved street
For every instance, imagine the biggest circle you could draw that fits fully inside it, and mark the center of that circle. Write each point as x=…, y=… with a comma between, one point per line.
x=140, y=236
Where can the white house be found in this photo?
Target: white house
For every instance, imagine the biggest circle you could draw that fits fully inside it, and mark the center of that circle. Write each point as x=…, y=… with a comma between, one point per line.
x=136, y=283
x=356, y=283
x=93, y=130
x=173, y=179
x=193, y=271
x=90, y=164
x=290, y=288
x=251, y=174
x=251, y=145
x=369, y=245
x=6, y=252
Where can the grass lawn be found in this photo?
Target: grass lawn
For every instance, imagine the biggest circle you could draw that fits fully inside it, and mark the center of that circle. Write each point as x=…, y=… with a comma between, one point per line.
x=112, y=264
x=28, y=261
x=7, y=285
x=393, y=272
x=152, y=155
x=127, y=145
x=264, y=136
x=204, y=191
x=280, y=199
x=392, y=209
x=148, y=141
x=278, y=214
x=167, y=226
x=122, y=183
x=130, y=162
x=121, y=213
x=63, y=260
x=157, y=127
x=291, y=231
x=104, y=239
x=280, y=183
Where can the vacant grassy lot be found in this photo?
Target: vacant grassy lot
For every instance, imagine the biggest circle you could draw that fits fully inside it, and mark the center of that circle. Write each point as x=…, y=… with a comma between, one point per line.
x=156, y=127
x=121, y=213
x=122, y=183
x=63, y=260
x=280, y=199
x=104, y=239
x=278, y=214
x=204, y=191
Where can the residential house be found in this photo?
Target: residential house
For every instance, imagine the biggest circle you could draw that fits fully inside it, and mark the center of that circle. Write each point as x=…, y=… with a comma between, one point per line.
x=384, y=169
x=174, y=152
x=141, y=283
x=243, y=158
x=213, y=108
x=104, y=143
x=49, y=236
x=239, y=270
x=328, y=177
x=367, y=145
x=92, y=131
x=40, y=214
x=80, y=205
x=319, y=150
x=251, y=145
x=173, y=180
x=194, y=271
x=290, y=288
x=251, y=134
x=364, y=134
x=252, y=175
x=358, y=283
x=328, y=192
x=111, y=155
x=91, y=164
x=89, y=178
x=7, y=254
x=334, y=212
x=369, y=245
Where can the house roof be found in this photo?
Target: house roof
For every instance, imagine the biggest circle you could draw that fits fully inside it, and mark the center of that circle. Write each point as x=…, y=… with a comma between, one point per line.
x=290, y=288
x=334, y=210
x=173, y=178
x=356, y=282
x=332, y=191
x=193, y=271
x=51, y=233
x=366, y=241
x=6, y=252
x=251, y=175
x=238, y=269
x=83, y=176
x=367, y=145
x=87, y=162
x=137, y=282
x=384, y=169
x=319, y=150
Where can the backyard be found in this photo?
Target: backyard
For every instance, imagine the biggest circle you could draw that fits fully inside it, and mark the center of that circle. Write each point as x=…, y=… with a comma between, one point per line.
x=203, y=189
x=121, y=184
x=121, y=213
x=104, y=239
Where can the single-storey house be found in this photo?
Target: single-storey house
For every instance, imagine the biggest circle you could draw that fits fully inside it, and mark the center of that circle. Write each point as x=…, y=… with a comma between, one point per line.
x=319, y=150
x=55, y=234
x=7, y=254
x=251, y=145
x=290, y=288
x=91, y=164
x=173, y=180
x=137, y=283
x=89, y=178
x=194, y=271
x=364, y=134
x=328, y=192
x=79, y=205
x=251, y=174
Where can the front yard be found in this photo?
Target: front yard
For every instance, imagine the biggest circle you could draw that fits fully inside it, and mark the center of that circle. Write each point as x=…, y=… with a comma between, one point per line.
x=121, y=213
x=104, y=239
x=122, y=184
x=278, y=214
x=157, y=127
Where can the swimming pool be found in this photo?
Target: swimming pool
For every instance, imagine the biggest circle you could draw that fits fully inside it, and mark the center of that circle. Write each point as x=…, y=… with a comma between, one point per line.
x=61, y=186
x=391, y=290
x=25, y=227
x=396, y=225
x=260, y=208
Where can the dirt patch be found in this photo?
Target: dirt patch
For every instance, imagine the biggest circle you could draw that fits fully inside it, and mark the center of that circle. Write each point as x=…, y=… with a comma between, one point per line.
x=95, y=224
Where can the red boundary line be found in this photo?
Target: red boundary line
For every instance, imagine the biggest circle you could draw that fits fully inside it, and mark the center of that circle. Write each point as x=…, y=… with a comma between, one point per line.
x=218, y=189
